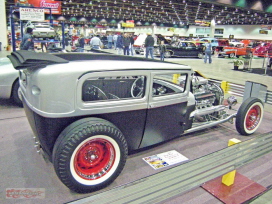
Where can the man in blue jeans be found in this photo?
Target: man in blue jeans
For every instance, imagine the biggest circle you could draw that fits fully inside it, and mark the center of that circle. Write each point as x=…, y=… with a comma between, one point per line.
x=208, y=52
x=149, y=45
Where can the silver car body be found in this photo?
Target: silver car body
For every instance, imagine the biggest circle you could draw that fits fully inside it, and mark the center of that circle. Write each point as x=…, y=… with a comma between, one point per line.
x=48, y=99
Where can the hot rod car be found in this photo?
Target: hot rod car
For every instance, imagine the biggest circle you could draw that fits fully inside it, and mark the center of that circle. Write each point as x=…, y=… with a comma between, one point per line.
x=88, y=111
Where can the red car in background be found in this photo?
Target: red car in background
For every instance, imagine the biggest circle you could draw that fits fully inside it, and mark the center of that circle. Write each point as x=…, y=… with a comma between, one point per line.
x=240, y=49
x=263, y=50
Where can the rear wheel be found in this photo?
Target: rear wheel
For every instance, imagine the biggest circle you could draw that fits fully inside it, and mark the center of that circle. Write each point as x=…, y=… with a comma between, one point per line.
x=89, y=154
x=200, y=55
x=249, y=116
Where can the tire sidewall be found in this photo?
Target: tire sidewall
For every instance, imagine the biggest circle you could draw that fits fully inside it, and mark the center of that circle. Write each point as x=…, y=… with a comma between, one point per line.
x=261, y=117
x=243, y=112
x=66, y=173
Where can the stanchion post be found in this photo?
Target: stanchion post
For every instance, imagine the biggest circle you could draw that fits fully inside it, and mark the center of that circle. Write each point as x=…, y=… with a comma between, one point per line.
x=228, y=179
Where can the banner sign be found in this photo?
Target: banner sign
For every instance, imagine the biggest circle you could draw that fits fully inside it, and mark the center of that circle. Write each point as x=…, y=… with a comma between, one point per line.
x=128, y=24
x=266, y=27
x=54, y=5
x=263, y=32
x=32, y=14
x=202, y=23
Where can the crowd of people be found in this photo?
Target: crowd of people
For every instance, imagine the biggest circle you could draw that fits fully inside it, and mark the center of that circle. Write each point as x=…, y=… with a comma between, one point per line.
x=123, y=43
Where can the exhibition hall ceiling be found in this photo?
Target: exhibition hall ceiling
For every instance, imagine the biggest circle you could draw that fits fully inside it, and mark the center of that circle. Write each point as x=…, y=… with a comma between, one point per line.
x=178, y=12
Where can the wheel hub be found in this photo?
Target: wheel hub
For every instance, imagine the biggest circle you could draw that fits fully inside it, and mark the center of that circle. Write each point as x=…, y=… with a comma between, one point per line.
x=94, y=159
x=253, y=117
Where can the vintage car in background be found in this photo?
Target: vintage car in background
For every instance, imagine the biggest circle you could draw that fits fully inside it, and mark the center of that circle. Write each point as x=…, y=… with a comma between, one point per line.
x=89, y=111
x=42, y=30
x=9, y=82
x=236, y=49
x=182, y=49
x=139, y=42
x=263, y=50
x=214, y=42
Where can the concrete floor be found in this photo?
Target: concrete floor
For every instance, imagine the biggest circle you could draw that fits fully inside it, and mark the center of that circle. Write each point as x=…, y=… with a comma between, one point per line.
x=22, y=167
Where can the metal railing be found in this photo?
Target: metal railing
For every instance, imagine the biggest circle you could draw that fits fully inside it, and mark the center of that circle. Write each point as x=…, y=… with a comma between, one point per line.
x=186, y=176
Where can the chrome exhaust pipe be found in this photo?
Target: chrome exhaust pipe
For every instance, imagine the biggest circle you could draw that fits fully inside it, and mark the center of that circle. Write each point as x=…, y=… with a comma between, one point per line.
x=206, y=111
x=210, y=124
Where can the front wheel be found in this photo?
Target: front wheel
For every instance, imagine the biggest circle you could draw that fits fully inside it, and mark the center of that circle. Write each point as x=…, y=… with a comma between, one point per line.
x=232, y=55
x=89, y=154
x=249, y=116
x=167, y=54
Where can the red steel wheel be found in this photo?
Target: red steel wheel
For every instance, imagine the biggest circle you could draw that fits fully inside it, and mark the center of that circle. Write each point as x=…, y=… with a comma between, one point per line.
x=94, y=159
x=249, y=116
x=89, y=154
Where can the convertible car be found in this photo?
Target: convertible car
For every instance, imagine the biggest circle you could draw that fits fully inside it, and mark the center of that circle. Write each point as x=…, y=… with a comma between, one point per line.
x=89, y=111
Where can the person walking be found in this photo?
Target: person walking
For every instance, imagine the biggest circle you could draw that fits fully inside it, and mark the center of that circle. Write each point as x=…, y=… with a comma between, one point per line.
x=126, y=41
x=110, y=41
x=96, y=42
x=149, y=46
x=120, y=44
x=27, y=41
x=208, y=52
x=162, y=49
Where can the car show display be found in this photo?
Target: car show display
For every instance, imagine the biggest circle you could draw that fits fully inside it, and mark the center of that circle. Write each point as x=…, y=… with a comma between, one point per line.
x=82, y=125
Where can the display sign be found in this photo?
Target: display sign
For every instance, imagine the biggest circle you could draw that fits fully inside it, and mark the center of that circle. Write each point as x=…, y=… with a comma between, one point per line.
x=266, y=27
x=202, y=23
x=263, y=31
x=32, y=14
x=128, y=24
x=54, y=5
x=165, y=159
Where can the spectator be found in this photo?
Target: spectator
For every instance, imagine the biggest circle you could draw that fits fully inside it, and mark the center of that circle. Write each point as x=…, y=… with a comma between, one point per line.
x=131, y=44
x=27, y=41
x=115, y=40
x=110, y=41
x=81, y=42
x=120, y=44
x=149, y=46
x=126, y=41
x=162, y=48
x=208, y=52
x=96, y=42
x=43, y=46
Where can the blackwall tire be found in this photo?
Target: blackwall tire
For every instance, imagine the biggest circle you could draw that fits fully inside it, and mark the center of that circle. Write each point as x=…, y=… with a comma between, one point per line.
x=249, y=116
x=89, y=154
x=15, y=94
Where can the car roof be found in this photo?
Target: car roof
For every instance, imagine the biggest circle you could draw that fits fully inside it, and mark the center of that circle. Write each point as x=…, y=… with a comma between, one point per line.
x=92, y=61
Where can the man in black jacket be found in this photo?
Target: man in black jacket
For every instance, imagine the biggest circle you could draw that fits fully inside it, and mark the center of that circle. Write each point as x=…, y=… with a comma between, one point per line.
x=149, y=45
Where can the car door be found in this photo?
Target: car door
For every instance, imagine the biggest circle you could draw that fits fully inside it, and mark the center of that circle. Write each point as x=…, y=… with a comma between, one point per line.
x=182, y=50
x=192, y=50
x=167, y=105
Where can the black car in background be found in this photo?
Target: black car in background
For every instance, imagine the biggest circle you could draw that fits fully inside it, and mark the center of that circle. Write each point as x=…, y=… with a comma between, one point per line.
x=182, y=49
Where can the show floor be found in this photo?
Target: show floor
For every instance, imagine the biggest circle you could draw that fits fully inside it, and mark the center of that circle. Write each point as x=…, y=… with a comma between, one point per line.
x=22, y=167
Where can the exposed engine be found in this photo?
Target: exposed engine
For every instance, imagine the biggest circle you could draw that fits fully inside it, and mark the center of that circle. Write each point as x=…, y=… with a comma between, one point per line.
x=206, y=94
x=208, y=100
